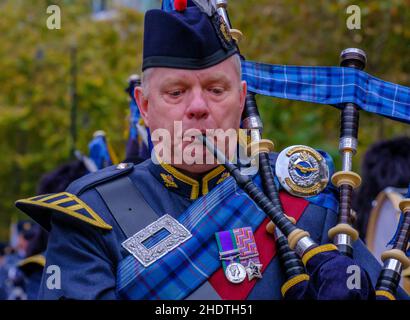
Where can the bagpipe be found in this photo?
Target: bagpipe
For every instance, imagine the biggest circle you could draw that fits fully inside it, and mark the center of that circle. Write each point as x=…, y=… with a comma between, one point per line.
x=351, y=90
x=251, y=120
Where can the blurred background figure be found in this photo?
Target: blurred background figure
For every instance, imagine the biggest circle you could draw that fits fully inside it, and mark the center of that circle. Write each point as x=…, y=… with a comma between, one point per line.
x=100, y=150
x=5, y=250
x=30, y=269
x=3, y=246
x=385, y=181
x=22, y=263
x=58, y=179
x=385, y=168
x=26, y=231
x=139, y=144
x=25, y=241
x=101, y=155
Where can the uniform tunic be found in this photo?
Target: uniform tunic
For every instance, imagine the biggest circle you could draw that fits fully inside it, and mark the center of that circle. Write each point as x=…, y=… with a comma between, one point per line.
x=88, y=254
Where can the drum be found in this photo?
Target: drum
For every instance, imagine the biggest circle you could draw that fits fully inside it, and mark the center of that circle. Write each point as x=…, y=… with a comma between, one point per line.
x=383, y=222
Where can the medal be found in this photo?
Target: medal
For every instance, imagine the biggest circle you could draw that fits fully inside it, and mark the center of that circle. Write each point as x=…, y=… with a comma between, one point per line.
x=239, y=254
x=229, y=255
x=254, y=270
x=235, y=272
x=248, y=252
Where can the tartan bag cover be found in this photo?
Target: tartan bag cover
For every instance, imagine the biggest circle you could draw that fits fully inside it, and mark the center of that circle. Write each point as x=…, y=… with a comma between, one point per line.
x=329, y=85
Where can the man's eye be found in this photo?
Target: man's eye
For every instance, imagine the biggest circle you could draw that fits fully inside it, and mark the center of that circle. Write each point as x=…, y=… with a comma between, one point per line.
x=216, y=90
x=175, y=93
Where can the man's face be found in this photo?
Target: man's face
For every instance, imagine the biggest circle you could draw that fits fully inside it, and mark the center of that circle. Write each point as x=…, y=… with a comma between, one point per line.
x=22, y=245
x=211, y=98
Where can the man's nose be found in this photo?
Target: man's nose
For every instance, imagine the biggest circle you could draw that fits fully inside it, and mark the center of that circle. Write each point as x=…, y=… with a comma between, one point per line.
x=198, y=106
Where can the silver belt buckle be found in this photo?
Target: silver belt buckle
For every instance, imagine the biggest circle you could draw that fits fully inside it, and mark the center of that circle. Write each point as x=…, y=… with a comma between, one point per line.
x=178, y=234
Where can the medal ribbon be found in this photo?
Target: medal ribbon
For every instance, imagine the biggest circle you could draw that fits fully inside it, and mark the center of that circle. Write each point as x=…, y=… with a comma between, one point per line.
x=228, y=249
x=247, y=246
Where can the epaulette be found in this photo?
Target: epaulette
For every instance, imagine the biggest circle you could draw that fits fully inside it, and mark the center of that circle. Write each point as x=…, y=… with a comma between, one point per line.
x=40, y=208
x=89, y=181
x=37, y=259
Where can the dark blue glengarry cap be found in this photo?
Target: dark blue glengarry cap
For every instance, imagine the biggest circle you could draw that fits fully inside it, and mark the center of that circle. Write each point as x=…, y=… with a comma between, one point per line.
x=188, y=39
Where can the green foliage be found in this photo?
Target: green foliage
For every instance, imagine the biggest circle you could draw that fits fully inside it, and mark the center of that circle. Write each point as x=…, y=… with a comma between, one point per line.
x=298, y=32
x=35, y=101
x=35, y=76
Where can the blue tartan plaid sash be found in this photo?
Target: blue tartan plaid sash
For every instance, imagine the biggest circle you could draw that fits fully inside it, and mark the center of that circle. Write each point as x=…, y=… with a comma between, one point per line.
x=181, y=271
x=329, y=85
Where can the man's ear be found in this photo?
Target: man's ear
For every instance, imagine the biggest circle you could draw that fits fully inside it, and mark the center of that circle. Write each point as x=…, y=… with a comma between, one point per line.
x=142, y=103
x=244, y=89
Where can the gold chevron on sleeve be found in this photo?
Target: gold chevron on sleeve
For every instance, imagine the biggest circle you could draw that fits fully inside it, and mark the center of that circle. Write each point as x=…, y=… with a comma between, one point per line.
x=36, y=259
x=69, y=204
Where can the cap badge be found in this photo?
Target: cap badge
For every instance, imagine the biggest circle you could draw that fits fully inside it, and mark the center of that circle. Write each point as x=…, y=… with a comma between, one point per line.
x=222, y=30
x=225, y=30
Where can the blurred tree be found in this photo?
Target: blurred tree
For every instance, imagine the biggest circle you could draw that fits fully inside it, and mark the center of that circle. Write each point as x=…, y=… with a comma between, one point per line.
x=35, y=76
x=311, y=32
x=35, y=80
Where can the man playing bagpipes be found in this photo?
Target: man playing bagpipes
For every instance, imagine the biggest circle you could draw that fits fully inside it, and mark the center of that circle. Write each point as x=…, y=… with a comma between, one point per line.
x=171, y=229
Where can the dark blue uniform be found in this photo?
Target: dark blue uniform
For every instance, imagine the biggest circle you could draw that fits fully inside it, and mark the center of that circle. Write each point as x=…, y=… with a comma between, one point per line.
x=85, y=243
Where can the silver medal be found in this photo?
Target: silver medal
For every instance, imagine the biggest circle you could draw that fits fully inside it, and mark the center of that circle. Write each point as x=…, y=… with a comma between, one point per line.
x=254, y=270
x=235, y=272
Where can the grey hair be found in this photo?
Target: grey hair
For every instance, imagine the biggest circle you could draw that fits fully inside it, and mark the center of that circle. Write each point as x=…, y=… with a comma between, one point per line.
x=146, y=75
